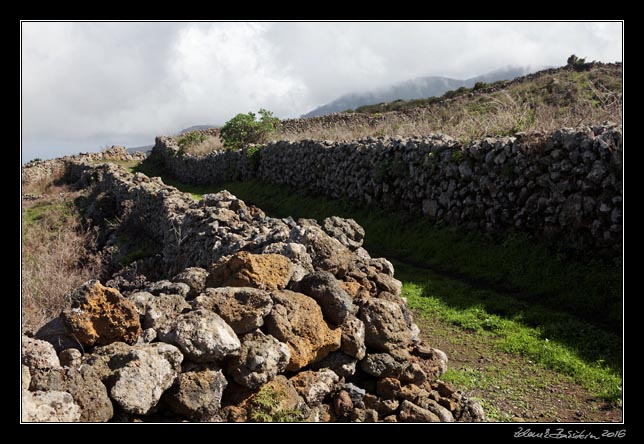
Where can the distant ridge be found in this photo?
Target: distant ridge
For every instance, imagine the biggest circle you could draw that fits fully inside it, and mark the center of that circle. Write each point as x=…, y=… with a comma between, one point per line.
x=421, y=87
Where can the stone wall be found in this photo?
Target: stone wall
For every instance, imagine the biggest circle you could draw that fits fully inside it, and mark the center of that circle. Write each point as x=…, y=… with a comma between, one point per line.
x=46, y=169
x=564, y=186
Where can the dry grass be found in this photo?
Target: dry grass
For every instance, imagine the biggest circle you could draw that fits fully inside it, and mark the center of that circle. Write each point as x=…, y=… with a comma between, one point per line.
x=502, y=115
x=212, y=143
x=54, y=253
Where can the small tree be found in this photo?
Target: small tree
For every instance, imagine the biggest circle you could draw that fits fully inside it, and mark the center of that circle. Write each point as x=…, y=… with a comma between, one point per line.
x=244, y=129
x=578, y=64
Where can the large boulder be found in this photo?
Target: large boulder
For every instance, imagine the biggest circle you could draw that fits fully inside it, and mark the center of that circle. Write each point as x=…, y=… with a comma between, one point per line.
x=327, y=253
x=51, y=406
x=261, y=358
x=322, y=286
x=263, y=271
x=38, y=354
x=203, y=336
x=386, y=328
x=85, y=386
x=99, y=315
x=243, y=308
x=197, y=393
x=297, y=320
x=136, y=376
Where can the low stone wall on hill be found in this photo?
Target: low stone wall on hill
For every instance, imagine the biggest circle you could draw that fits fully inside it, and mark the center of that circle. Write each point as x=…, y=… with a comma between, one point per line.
x=46, y=169
x=565, y=186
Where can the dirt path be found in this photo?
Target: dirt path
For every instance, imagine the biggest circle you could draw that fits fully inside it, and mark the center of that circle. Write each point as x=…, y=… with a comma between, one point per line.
x=510, y=387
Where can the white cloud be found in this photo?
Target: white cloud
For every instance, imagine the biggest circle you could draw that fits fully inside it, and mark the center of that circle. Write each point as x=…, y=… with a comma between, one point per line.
x=87, y=85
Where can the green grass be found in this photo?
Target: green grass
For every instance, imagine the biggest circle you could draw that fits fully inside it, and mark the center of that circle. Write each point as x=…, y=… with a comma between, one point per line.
x=62, y=210
x=563, y=314
x=554, y=339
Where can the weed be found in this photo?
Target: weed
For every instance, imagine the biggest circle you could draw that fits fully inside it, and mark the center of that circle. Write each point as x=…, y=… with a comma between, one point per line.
x=266, y=406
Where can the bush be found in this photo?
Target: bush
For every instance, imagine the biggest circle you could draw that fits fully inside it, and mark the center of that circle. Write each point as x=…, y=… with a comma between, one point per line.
x=479, y=85
x=188, y=140
x=578, y=64
x=244, y=129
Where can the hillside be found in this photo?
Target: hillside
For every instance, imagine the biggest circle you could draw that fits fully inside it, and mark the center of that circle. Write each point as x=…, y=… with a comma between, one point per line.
x=420, y=87
x=542, y=101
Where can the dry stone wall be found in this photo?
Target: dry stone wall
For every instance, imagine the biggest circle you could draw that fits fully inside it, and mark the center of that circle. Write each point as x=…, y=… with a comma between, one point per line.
x=565, y=186
x=46, y=169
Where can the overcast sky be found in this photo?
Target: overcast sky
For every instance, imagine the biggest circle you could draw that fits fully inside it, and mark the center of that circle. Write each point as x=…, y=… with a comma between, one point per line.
x=90, y=85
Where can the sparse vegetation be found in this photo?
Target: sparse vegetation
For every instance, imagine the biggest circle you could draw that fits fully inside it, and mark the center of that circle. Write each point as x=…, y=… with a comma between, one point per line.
x=54, y=254
x=266, y=406
x=245, y=129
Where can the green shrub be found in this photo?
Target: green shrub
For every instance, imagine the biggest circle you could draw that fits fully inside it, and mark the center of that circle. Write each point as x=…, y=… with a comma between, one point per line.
x=244, y=129
x=479, y=85
x=188, y=140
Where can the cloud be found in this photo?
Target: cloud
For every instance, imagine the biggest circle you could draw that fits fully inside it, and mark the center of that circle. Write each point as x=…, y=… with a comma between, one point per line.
x=87, y=85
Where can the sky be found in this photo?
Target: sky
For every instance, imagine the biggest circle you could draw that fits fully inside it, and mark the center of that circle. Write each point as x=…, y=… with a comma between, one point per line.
x=89, y=85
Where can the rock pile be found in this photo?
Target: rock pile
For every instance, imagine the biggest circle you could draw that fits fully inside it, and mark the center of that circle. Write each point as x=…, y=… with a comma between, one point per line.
x=247, y=318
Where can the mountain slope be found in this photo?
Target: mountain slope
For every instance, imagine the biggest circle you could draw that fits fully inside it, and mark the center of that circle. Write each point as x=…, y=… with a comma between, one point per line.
x=421, y=87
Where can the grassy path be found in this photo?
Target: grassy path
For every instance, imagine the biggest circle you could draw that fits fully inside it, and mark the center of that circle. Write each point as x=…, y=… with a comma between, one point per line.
x=528, y=355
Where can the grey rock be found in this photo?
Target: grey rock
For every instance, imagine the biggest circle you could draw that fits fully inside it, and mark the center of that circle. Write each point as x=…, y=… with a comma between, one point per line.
x=38, y=354
x=140, y=300
x=203, y=336
x=385, y=325
x=197, y=394
x=381, y=365
x=161, y=312
x=261, y=358
x=194, y=278
x=324, y=288
x=139, y=384
x=342, y=365
x=83, y=384
x=51, y=406
x=347, y=231
x=315, y=386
